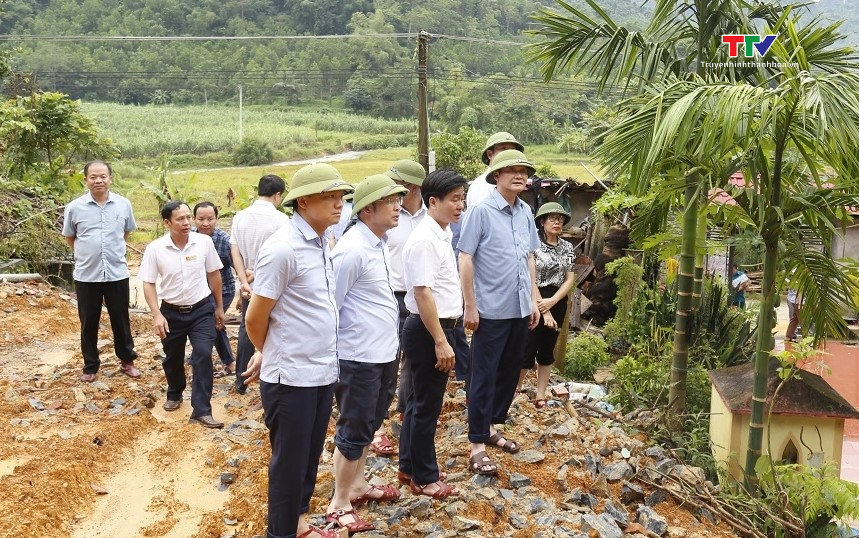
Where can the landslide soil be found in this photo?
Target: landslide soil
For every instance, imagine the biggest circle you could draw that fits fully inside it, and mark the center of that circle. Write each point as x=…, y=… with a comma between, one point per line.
x=103, y=459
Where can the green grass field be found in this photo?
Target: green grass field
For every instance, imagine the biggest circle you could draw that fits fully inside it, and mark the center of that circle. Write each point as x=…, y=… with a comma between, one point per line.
x=199, y=140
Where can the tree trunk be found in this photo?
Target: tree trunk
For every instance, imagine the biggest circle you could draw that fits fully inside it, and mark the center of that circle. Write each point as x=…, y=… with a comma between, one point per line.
x=685, y=283
x=764, y=346
x=771, y=231
x=700, y=256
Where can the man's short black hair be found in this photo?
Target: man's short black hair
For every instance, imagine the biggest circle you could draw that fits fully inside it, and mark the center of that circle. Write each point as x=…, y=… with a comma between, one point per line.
x=439, y=183
x=205, y=204
x=270, y=184
x=168, y=208
x=87, y=165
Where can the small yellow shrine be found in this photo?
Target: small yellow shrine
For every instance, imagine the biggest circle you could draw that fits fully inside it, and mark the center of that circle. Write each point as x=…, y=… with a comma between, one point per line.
x=807, y=425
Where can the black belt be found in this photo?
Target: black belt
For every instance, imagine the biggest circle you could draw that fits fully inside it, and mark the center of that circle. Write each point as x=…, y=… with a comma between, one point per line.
x=446, y=323
x=186, y=309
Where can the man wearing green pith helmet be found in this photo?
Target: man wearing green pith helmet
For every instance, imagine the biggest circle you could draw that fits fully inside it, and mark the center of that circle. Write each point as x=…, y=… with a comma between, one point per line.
x=293, y=320
x=496, y=264
x=367, y=345
x=480, y=188
x=409, y=175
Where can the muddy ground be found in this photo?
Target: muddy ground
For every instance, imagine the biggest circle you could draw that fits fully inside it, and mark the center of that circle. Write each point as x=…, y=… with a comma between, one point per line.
x=104, y=460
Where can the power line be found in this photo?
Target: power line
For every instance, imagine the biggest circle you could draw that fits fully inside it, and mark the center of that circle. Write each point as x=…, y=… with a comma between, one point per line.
x=408, y=35
x=34, y=37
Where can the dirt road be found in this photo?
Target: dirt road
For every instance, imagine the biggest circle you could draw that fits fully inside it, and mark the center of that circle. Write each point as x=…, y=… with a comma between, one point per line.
x=103, y=459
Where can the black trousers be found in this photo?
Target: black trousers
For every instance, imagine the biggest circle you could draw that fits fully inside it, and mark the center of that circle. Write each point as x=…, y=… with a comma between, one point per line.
x=417, y=438
x=297, y=420
x=542, y=339
x=244, y=349
x=403, y=388
x=363, y=395
x=114, y=295
x=222, y=339
x=497, y=348
x=198, y=327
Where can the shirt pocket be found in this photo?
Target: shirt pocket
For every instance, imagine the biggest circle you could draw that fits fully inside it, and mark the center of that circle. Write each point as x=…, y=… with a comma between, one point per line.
x=522, y=240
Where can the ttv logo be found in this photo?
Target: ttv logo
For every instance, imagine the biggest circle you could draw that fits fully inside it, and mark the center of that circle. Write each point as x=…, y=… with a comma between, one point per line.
x=752, y=43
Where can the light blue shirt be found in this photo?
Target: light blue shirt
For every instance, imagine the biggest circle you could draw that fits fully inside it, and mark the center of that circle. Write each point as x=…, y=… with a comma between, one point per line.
x=499, y=238
x=99, y=233
x=294, y=269
x=369, y=312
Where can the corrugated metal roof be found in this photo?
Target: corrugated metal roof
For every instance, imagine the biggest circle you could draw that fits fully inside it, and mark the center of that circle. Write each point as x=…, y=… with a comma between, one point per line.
x=809, y=396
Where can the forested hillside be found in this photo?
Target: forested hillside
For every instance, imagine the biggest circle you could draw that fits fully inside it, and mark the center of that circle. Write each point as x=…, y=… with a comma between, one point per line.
x=478, y=74
x=357, y=55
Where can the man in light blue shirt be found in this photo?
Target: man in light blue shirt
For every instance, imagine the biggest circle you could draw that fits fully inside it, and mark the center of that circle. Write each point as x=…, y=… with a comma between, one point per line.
x=292, y=318
x=366, y=345
x=96, y=227
x=496, y=263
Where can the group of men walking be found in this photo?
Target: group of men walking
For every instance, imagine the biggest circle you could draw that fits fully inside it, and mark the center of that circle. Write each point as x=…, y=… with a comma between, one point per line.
x=330, y=315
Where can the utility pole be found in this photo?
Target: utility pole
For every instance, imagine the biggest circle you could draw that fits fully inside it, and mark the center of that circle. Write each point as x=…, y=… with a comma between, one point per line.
x=241, y=126
x=423, y=119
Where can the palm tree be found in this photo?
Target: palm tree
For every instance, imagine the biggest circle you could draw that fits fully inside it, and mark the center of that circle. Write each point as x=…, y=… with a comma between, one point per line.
x=781, y=135
x=682, y=36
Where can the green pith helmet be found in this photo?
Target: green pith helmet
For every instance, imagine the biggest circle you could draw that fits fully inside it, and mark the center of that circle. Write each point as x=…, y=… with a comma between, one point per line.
x=372, y=189
x=508, y=157
x=316, y=179
x=550, y=208
x=499, y=138
x=408, y=171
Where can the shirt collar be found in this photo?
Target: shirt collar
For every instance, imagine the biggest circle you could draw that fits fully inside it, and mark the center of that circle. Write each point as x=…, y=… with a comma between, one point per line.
x=264, y=202
x=304, y=228
x=500, y=203
x=445, y=234
x=90, y=199
x=369, y=236
x=422, y=210
x=192, y=240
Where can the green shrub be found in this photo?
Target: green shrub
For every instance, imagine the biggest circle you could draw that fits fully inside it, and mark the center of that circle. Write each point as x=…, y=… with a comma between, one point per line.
x=641, y=381
x=584, y=354
x=545, y=170
x=252, y=152
x=460, y=151
x=628, y=276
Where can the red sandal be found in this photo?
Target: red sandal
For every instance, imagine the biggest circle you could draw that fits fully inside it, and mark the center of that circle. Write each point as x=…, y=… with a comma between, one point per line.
x=383, y=447
x=357, y=525
x=443, y=492
x=389, y=493
x=405, y=478
x=316, y=531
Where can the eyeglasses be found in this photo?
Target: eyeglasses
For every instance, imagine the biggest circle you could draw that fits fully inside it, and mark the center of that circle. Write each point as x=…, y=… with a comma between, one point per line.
x=555, y=218
x=396, y=199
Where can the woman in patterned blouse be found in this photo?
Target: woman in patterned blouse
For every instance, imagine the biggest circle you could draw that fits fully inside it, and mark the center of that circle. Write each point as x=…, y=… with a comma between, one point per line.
x=554, y=260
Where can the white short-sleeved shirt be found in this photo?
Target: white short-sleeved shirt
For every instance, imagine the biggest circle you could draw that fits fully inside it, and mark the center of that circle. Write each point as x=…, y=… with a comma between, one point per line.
x=252, y=226
x=294, y=269
x=183, y=271
x=369, y=313
x=478, y=190
x=428, y=261
x=397, y=238
x=99, y=233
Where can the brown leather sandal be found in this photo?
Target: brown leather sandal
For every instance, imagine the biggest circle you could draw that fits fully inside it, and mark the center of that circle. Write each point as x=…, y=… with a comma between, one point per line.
x=509, y=446
x=478, y=461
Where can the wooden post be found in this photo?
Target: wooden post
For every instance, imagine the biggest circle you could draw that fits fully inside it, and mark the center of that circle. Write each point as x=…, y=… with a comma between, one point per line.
x=423, y=115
